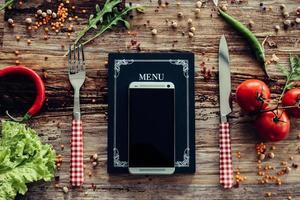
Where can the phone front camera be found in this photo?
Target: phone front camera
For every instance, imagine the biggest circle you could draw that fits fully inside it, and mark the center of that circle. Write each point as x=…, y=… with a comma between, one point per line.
x=168, y=86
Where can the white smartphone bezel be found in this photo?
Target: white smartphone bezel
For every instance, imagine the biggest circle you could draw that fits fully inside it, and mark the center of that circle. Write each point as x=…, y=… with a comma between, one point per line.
x=151, y=170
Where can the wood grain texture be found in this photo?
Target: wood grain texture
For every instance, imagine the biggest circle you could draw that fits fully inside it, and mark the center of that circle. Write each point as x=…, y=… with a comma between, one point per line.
x=54, y=121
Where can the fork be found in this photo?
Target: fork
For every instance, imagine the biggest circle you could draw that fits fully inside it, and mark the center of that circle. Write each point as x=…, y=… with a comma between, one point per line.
x=76, y=72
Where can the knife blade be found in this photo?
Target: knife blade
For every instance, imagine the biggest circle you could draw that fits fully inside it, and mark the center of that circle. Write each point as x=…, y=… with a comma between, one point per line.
x=226, y=169
x=215, y=2
x=224, y=80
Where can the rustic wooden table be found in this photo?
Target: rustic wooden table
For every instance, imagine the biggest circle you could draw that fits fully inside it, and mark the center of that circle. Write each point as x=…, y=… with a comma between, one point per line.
x=54, y=121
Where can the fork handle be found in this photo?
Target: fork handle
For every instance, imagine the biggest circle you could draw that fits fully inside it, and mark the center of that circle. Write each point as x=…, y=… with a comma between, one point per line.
x=226, y=170
x=76, y=108
x=76, y=164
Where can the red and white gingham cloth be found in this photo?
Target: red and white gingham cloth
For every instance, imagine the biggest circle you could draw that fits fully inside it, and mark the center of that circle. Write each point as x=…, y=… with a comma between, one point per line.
x=226, y=170
x=76, y=166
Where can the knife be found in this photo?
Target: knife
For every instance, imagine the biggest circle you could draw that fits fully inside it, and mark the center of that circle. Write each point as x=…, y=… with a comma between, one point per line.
x=226, y=170
x=215, y=2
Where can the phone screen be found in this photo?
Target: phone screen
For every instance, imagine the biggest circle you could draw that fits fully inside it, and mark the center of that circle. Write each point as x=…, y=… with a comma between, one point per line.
x=151, y=127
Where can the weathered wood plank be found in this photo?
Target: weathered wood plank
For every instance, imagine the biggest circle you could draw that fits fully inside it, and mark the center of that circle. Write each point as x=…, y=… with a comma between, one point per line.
x=53, y=122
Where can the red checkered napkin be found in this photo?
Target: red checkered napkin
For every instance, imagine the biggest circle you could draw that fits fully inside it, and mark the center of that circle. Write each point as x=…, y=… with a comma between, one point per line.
x=76, y=167
x=226, y=170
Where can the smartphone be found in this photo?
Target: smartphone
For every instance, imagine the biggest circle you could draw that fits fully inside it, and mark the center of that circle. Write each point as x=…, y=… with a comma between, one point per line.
x=151, y=128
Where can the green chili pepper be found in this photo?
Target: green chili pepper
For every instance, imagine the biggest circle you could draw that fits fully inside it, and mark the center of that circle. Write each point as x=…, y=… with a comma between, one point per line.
x=253, y=41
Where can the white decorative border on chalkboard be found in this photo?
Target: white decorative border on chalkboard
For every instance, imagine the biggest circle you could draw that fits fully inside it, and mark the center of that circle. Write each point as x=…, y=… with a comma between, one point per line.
x=117, y=69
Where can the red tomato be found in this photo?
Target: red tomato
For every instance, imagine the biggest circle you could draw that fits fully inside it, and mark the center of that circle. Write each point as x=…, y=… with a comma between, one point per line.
x=250, y=95
x=273, y=126
x=292, y=98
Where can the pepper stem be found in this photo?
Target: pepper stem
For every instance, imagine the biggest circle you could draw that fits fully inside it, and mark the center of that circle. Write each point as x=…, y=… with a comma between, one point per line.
x=25, y=118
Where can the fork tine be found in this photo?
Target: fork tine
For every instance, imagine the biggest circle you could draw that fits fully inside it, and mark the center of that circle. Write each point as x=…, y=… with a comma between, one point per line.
x=70, y=64
x=78, y=53
x=81, y=57
x=75, y=61
x=82, y=53
x=69, y=54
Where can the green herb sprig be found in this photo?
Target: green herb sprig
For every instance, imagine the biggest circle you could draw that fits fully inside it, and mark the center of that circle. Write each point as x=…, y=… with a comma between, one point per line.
x=292, y=74
x=113, y=20
x=7, y=4
x=94, y=20
x=105, y=19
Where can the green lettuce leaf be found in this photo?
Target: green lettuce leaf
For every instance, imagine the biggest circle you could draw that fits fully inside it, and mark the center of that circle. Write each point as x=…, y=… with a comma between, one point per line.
x=23, y=159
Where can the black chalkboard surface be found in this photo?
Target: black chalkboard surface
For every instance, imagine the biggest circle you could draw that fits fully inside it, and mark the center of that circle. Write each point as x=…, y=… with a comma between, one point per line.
x=125, y=68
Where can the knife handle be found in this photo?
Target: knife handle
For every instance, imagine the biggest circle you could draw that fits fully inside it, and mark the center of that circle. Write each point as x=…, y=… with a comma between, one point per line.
x=76, y=168
x=226, y=170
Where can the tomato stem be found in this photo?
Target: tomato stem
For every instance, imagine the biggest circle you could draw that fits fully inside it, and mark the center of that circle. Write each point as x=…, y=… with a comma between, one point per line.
x=280, y=107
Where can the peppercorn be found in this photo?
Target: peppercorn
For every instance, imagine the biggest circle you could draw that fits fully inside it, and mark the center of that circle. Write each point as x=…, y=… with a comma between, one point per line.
x=294, y=165
x=179, y=14
x=94, y=186
x=28, y=41
x=287, y=23
x=94, y=163
x=49, y=12
x=282, y=7
x=18, y=38
x=251, y=23
x=268, y=194
x=261, y=157
x=224, y=7
x=62, y=146
x=285, y=14
x=17, y=52
x=193, y=29
x=10, y=21
x=270, y=8
x=277, y=28
x=198, y=4
x=154, y=32
x=190, y=21
x=39, y=12
x=54, y=15
x=65, y=190
x=95, y=156
x=287, y=170
x=174, y=24
x=191, y=34
x=28, y=20
x=278, y=182
x=17, y=62
x=271, y=155
x=197, y=12
x=44, y=14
